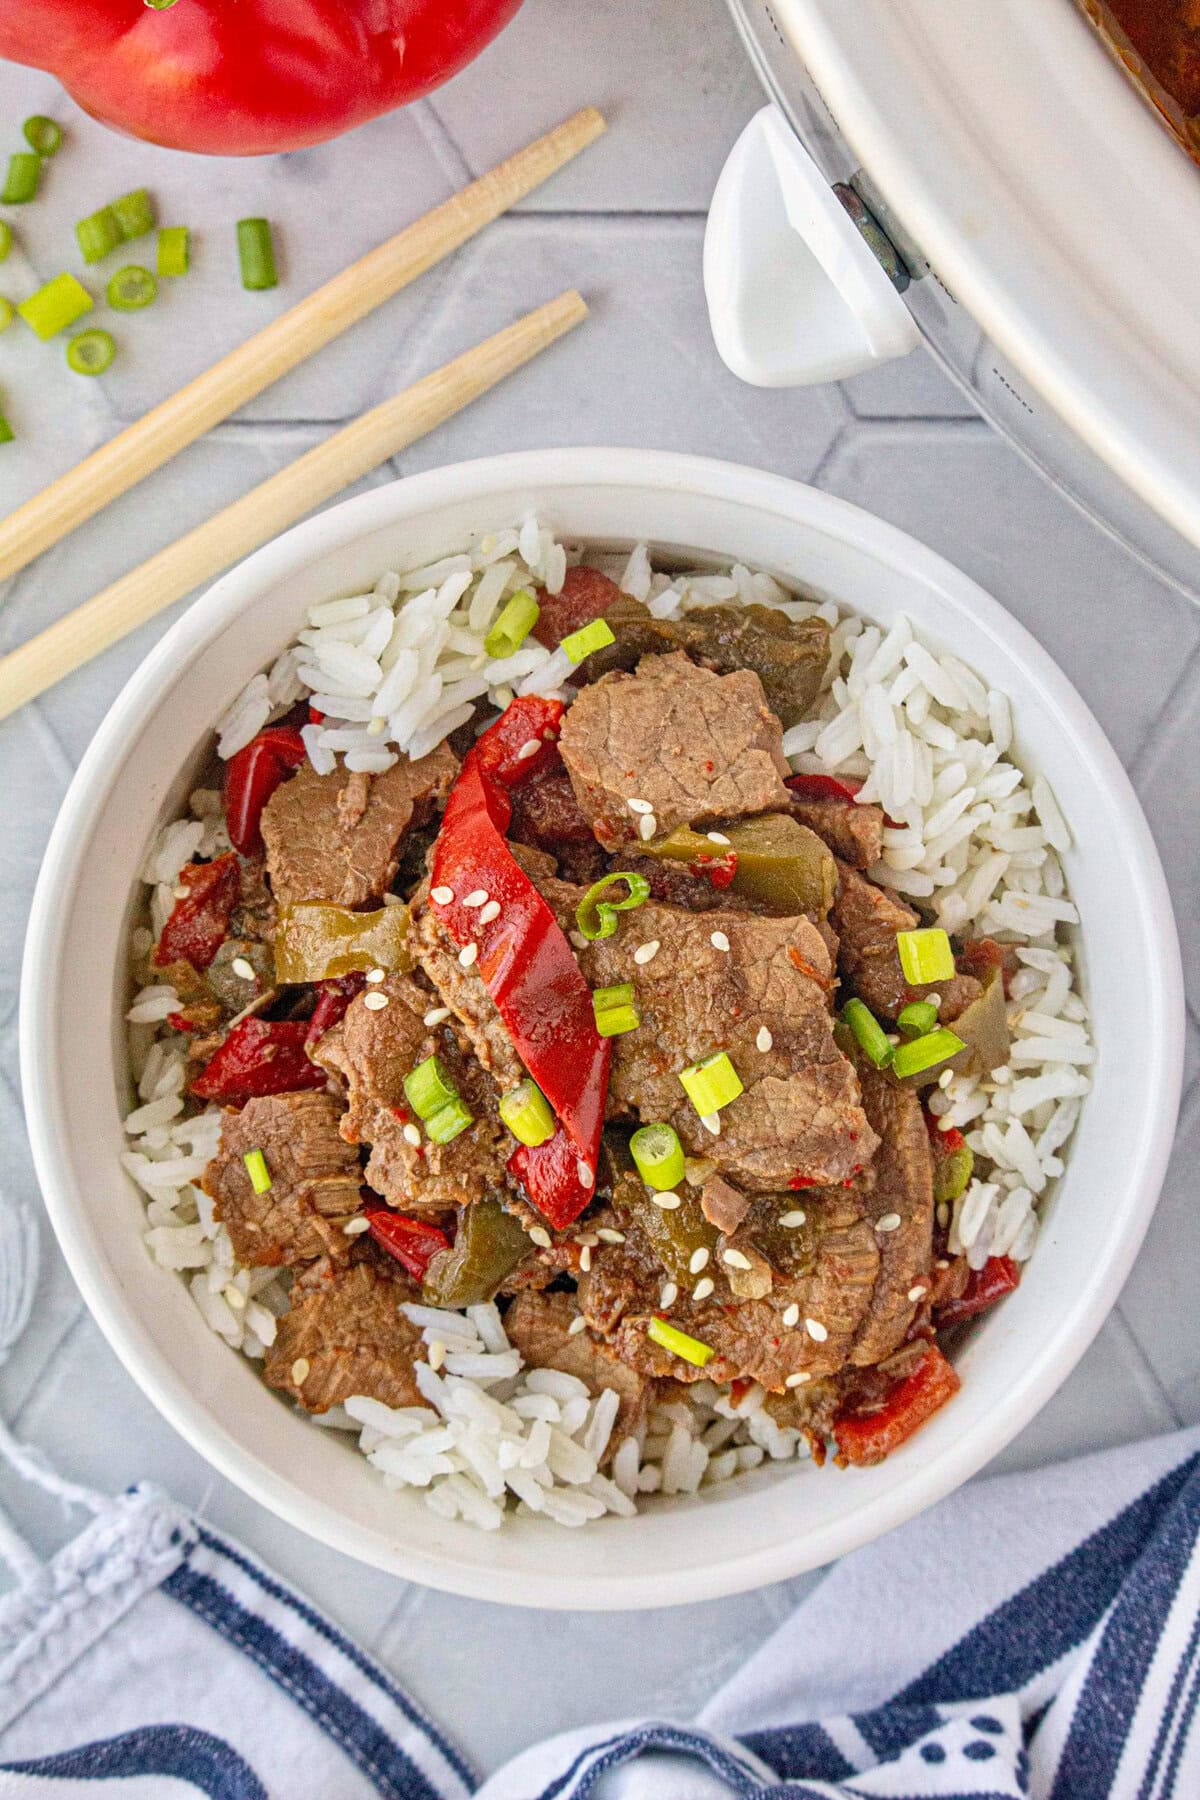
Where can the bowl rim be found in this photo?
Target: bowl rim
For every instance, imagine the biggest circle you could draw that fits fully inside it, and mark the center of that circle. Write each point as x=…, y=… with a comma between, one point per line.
x=799, y=505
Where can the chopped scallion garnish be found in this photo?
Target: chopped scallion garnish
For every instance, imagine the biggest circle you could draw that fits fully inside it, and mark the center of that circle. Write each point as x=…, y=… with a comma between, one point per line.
x=915, y=1019
x=869, y=1034
x=6, y=239
x=581, y=643
x=429, y=1088
x=174, y=256
x=131, y=288
x=8, y=313
x=91, y=352
x=517, y=619
x=679, y=1343
x=448, y=1121
x=134, y=214
x=925, y=955
x=256, y=1168
x=256, y=254
x=526, y=1112
x=55, y=306
x=659, y=1156
x=711, y=1083
x=596, y=915
x=43, y=135
x=924, y=1052
x=7, y=434
x=99, y=233
x=21, y=183
x=616, y=1009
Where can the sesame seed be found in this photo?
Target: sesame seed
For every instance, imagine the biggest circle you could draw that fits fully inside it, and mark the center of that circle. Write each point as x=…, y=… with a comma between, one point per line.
x=945, y=1078
x=798, y=1379
x=736, y=1260
x=437, y=1354
x=764, y=1040
x=577, y=938
x=639, y=806
x=703, y=1288
x=718, y=940
x=467, y=955
x=699, y=1260
x=442, y=896
x=355, y=1227
x=585, y=1258
x=584, y=1171
x=489, y=912
x=412, y=1135
x=712, y=1123
x=375, y=1002
x=435, y=1015
x=609, y=1236
x=917, y=1293
x=235, y=1297
x=576, y=1326
x=669, y=1295
x=667, y=1200
x=242, y=968
x=946, y=1123
x=375, y=726
x=816, y=1331
x=646, y=953
x=300, y=1370
x=477, y=897
x=529, y=748
x=540, y=1236
x=716, y=837
x=792, y=1315
x=889, y=1222
x=647, y=827
x=374, y=976
x=792, y=1221
x=943, y=1214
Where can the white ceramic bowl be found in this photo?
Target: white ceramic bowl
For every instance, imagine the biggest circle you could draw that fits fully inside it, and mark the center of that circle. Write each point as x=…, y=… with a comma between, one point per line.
x=775, y=1522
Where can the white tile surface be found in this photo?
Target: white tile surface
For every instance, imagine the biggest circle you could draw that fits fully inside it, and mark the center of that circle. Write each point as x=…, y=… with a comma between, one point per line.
x=625, y=226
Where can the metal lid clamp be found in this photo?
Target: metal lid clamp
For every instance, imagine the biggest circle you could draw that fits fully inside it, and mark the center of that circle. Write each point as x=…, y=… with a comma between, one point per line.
x=803, y=285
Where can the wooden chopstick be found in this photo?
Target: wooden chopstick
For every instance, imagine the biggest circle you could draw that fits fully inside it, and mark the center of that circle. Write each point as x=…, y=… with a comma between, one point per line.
x=288, y=340
x=278, y=502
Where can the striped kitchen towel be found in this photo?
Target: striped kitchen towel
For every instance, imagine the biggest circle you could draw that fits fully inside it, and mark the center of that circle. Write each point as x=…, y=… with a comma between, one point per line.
x=1034, y=1635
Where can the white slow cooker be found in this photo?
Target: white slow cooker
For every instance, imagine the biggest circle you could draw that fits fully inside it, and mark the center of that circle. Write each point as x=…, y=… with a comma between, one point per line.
x=1020, y=207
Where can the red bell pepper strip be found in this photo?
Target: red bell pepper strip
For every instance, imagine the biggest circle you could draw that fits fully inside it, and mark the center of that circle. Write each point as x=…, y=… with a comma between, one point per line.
x=585, y=594
x=503, y=750
x=412, y=1242
x=333, y=1002
x=199, y=922
x=822, y=787
x=869, y=1437
x=250, y=78
x=998, y=1276
x=525, y=962
x=252, y=776
x=258, y=1057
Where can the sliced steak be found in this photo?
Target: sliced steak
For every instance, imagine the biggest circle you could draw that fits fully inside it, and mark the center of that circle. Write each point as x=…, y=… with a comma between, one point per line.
x=539, y=1326
x=692, y=745
x=345, y=1334
x=855, y=833
x=462, y=990
x=337, y=837
x=901, y=1196
x=866, y=919
x=371, y=1051
x=315, y=1179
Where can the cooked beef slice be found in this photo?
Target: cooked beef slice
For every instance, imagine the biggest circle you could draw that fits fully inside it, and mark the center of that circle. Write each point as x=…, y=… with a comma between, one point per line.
x=692, y=745
x=344, y=1334
x=866, y=919
x=855, y=833
x=799, y=1115
x=337, y=837
x=722, y=1204
x=371, y=1051
x=315, y=1179
x=462, y=990
x=538, y=1324
x=255, y=914
x=902, y=1189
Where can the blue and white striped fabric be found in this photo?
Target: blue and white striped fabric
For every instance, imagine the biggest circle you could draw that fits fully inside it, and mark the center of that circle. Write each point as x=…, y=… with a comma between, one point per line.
x=1036, y=1635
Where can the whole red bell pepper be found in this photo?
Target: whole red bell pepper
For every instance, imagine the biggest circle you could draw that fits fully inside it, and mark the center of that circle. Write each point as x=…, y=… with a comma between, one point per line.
x=252, y=776
x=998, y=1276
x=413, y=1242
x=248, y=78
x=260, y=1056
x=868, y=1437
x=199, y=921
x=525, y=961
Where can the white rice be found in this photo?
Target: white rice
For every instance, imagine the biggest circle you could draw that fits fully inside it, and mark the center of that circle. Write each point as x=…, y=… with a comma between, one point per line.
x=971, y=839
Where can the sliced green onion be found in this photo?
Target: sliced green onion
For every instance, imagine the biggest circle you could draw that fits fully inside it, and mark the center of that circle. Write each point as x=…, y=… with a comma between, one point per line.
x=42, y=135
x=131, y=288
x=91, y=352
x=448, y=1122
x=597, y=917
x=55, y=306
x=428, y=1087
x=711, y=1083
x=6, y=239
x=99, y=233
x=679, y=1343
x=256, y=253
x=526, y=1112
x=659, y=1156
x=517, y=619
x=925, y=955
x=174, y=250
x=8, y=313
x=616, y=1009
x=257, y=1170
x=7, y=434
x=21, y=184
x=924, y=1052
x=134, y=214
x=869, y=1034
x=915, y=1019
x=581, y=643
